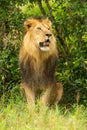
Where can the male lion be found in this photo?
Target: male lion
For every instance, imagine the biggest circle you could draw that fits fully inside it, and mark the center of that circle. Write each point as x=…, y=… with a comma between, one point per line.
x=37, y=59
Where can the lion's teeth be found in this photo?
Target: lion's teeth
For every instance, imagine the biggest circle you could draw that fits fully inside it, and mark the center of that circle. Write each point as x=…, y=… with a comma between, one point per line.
x=46, y=48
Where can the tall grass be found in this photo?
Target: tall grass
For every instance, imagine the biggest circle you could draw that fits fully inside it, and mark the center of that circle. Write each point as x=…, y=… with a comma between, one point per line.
x=18, y=116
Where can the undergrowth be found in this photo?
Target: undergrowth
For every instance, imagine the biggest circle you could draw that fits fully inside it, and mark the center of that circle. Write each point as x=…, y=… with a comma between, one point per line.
x=19, y=116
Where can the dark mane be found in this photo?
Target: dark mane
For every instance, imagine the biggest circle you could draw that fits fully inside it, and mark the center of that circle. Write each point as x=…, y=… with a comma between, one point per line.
x=42, y=77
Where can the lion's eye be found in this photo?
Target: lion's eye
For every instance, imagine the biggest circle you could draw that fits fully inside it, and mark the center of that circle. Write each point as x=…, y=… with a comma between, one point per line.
x=39, y=28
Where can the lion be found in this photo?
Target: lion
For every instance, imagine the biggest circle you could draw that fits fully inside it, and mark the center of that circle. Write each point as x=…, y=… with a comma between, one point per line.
x=37, y=60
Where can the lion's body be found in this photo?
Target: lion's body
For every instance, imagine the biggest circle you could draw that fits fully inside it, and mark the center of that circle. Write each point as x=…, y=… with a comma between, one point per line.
x=37, y=58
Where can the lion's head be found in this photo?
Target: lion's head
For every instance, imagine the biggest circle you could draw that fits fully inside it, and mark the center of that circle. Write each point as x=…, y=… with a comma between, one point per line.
x=39, y=34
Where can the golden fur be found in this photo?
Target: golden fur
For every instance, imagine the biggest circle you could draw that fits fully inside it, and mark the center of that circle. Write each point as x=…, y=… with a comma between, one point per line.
x=32, y=36
x=37, y=58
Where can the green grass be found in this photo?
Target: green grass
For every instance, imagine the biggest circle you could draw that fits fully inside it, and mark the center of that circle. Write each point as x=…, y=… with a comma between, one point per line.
x=18, y=116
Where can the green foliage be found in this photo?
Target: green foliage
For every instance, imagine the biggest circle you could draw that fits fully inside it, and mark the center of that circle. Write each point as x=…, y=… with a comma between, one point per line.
x=70, y=24
x=10, y=35
x=9, y=72
x=32, y=7
x=71, y=17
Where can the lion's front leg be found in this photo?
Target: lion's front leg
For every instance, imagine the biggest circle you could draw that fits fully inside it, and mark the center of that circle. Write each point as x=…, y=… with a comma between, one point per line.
x=59, y=92
x=30, y=94
x=46, y=96
x=53, y=94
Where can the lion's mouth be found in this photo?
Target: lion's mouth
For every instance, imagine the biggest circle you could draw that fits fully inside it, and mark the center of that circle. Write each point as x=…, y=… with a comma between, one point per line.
x=44, y=46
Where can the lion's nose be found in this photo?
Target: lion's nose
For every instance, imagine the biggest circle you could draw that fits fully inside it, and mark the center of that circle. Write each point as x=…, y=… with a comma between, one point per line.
x=49, y=35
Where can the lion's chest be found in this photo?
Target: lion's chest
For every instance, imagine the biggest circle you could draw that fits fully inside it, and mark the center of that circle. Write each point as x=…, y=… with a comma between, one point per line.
x=38, y=73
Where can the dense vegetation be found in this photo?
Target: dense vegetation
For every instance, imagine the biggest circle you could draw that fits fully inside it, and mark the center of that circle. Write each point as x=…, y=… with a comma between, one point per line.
x=69, y=20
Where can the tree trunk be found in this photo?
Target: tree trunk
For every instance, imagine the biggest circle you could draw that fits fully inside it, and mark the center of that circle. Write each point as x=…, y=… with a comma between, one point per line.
x=41, y=7
x=50, y=10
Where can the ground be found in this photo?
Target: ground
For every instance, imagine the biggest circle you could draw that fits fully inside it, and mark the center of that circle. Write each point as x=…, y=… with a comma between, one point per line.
x=18, y=116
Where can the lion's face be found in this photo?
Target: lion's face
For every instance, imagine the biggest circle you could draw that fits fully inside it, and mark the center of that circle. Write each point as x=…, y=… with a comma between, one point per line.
x=40, y=33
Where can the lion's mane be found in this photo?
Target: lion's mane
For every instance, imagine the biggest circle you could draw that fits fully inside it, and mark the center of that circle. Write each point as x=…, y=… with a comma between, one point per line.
x=38, y=67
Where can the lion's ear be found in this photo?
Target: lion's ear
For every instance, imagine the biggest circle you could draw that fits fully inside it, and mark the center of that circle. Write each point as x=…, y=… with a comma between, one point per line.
x=27, y=24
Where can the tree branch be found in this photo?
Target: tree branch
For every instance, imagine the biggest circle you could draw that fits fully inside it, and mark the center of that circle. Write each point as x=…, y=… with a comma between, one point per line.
x=41, y=7
x=62, y=42
x=57, y=29
x=50, y=10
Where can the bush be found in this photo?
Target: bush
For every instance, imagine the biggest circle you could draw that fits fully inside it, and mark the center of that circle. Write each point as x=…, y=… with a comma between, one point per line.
x=69, y=22
x=9, y=72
